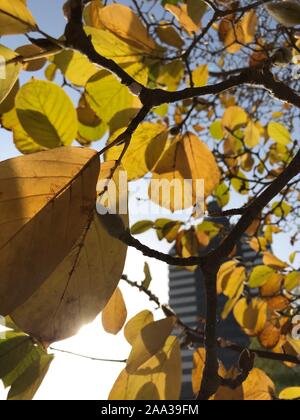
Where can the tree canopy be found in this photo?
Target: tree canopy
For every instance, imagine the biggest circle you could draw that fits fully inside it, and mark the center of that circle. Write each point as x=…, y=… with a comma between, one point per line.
x=192, y=95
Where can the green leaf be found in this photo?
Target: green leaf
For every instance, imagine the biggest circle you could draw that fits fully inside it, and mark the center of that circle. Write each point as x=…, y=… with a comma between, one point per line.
x=26, y=386
x=113, y=102
x=222, y=194
x=46, y=113
x=216, y=130
x=292, y=281
x=260, y=276
x=281, y=209
x=279, y=133
x=23, y=365
x=141, y=227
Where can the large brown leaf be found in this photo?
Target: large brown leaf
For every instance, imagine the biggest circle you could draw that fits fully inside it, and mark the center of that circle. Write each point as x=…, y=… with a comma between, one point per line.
x=46, y=201
x=77, y=290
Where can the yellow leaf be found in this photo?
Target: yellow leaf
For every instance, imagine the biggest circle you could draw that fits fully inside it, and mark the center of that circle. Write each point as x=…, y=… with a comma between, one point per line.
x=251, y=317
x=150, y=341
x=176, y=177
x=199, y=364
x=292, y=393
x=292, y=281
x=274, y=262
x=9, y=71
x=273, y=285
x=249, y=25
x=80, y=286
x=115, y=313
x=200, y=76
x=223, y=275
x=46, y=113
x=180, y=13
x=260, y=275
x=170, y=74
x=230, y=304
x=257, y=387
x=236, y=34
x=234, y=117
x=112, y=47
x=134, y=325
x=147, y=145
x=15, y=18
x=233, y=287
x=75, y=66
x=252, y=135
x=160, y=378
x=46, y=201
x=23, y=142
x=201, y=162
x=234, y=282
x=113, y=102
x=279, y=133
x=123, y=22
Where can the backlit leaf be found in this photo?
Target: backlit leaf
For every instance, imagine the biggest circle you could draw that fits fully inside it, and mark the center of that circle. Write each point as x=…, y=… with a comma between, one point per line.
x=115, y=313
x=160, y=378
x=46, y=202
x=46, y=113
x=150, y=341
x=15, y=18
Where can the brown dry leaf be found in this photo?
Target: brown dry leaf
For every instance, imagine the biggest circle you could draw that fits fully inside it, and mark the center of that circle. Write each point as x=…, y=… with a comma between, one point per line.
x=115, y=313
x=160, y=378
x=278, y=303
x=46, y=202
x=270, y=336
x=123, y=22
x=29, y=51
x=169, y=35
x=257, y=387
x=150, y=340
x=257, y=58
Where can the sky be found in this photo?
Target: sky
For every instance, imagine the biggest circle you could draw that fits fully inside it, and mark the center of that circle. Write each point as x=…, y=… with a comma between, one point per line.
x=70, y=377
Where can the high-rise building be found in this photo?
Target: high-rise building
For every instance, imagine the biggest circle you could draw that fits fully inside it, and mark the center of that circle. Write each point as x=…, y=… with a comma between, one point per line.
x=187, y=298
